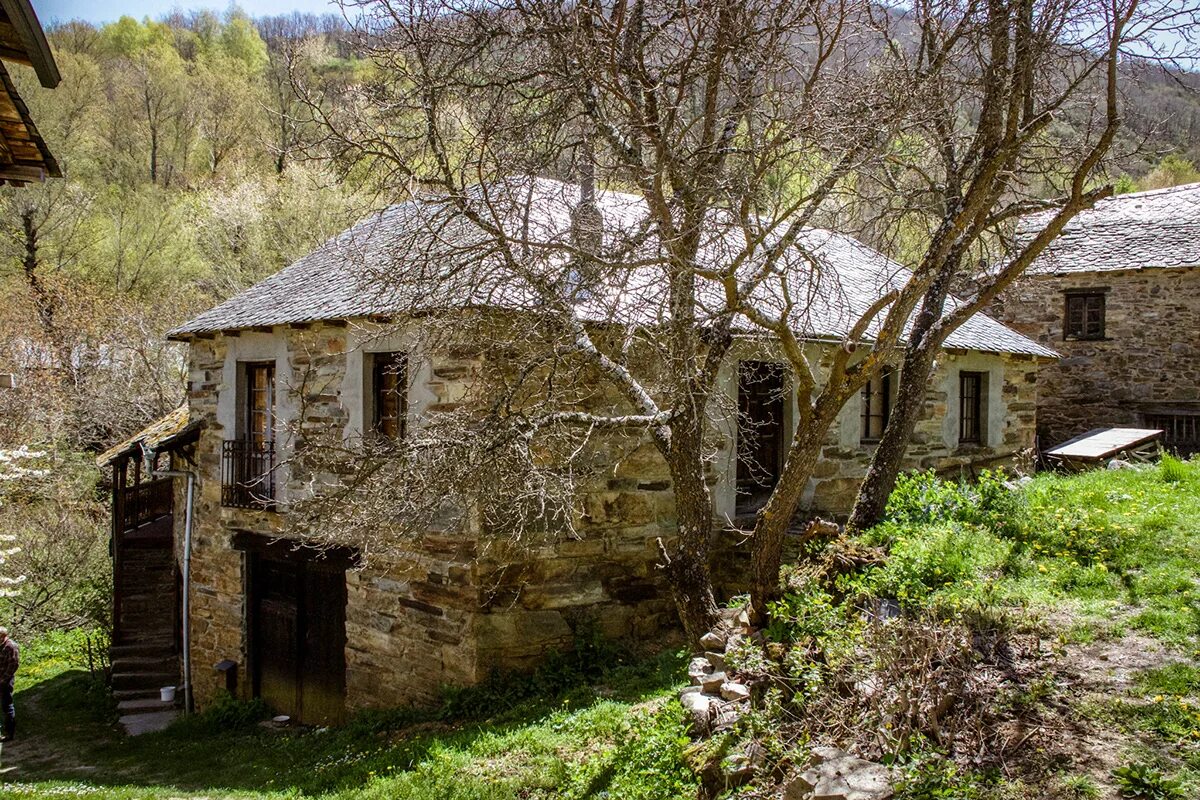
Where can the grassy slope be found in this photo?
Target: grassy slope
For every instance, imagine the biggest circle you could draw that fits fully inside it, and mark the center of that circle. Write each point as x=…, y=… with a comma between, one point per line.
x=618, y=736
x=1099, y=556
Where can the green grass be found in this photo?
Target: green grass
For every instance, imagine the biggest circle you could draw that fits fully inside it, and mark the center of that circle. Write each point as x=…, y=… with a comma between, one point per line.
x=1115, y=550
x=1094, y=556
x=618, y=736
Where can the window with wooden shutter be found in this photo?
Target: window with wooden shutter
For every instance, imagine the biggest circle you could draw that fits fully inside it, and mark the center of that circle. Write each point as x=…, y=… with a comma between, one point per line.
x=260, y=402
x=876, y=406
x=1084, y=316
x=389, y=394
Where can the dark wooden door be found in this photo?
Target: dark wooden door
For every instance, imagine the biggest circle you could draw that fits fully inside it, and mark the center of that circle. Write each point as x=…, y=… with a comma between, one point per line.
x=323, y=661
x=298, y=629
x=275, y=609
x=760, y=428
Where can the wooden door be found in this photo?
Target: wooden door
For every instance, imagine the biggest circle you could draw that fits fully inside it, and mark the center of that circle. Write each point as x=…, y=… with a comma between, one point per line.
x=298, y=628
x=275, y=610
x=323, y=656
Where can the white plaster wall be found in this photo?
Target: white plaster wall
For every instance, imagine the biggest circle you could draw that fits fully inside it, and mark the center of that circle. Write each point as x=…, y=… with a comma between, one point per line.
x=364, y=338
x=996, y=409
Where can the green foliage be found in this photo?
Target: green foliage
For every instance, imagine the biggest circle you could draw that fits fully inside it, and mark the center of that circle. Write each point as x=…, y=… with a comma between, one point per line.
x=226, y=713
x=940, y=563
x=1144, y=782
x=923, y=497
x=1171, y=469
x=930, y=776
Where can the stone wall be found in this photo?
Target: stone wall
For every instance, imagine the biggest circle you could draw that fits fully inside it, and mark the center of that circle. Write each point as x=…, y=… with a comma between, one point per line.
x=1148, y=361
x=453, y=607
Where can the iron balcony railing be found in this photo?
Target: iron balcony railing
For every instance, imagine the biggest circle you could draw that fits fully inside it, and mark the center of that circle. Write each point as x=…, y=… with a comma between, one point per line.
x=248, y=474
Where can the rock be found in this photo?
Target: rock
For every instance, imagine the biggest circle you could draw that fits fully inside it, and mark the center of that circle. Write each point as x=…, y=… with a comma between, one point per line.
x=735, y=619
x=739, y=767
x=725, y=715
x=822, y=753
x=689, y=690
x=712, y=683
x=699, y=669
x=713, y=640
x=841, y=778
x=717, y=660
x=1118, y=463
x=700, y=710
x=735, y=691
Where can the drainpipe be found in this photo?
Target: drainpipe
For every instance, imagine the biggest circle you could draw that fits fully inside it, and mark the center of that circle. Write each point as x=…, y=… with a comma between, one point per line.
x=187, y=569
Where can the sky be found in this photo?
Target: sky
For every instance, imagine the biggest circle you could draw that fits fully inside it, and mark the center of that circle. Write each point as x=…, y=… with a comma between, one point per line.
x=108, y=10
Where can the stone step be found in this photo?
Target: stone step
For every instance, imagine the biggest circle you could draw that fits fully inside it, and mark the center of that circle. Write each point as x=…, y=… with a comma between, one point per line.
x=143, y=704
x=143, y=680
x=149, y=722
x=151, y=662
x=137, y=643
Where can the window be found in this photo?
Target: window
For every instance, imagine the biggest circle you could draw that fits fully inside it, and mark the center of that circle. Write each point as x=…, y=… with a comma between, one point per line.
x=259, y=421
x=1085, y=316
x=971, y=386
x=876, y=406
x=389, y=394
x=248, y=462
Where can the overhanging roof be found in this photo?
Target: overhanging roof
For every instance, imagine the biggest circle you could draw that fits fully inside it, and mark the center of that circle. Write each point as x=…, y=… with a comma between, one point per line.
x=167, y=433
x=24, y=156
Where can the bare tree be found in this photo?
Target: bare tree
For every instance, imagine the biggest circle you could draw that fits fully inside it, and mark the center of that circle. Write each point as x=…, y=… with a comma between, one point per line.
x=979, y=173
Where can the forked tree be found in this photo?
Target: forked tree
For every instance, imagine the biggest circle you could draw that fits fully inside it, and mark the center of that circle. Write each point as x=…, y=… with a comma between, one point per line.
x=731, y=128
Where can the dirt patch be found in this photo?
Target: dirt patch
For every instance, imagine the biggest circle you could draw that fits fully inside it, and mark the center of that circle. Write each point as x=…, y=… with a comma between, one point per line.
x=1070, y=742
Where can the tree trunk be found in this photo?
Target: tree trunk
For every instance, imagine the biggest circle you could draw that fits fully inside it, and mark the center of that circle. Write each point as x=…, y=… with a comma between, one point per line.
x=687, y=567
x=885, y=465
x=774, y=518
x=919, y=354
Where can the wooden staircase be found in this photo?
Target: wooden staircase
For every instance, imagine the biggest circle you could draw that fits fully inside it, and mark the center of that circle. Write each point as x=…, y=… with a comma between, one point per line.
x=144, y=652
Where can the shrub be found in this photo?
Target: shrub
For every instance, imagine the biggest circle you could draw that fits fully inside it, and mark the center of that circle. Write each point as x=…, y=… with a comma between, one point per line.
x=1171, y=469
x=923, y=498
x=1143, y=782
x=926, y=560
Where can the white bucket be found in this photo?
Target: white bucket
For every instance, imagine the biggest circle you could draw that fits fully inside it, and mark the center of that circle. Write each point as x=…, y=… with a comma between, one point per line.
x=167, y=693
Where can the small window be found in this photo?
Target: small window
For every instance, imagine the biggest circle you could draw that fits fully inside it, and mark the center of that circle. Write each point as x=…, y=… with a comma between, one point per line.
x=971, y=386
x=1085, y=316
x=389, y=394
x=876, y=406
x=259, y=419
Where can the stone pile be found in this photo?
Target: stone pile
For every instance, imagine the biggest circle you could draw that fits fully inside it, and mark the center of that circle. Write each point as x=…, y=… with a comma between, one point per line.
x=715, y=700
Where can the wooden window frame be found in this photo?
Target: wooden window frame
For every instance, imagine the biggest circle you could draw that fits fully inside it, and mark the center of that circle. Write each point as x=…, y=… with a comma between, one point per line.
x=882, y=383
x=380, y=366
x=246, y=410
x=972, y=406
x=1077, y=305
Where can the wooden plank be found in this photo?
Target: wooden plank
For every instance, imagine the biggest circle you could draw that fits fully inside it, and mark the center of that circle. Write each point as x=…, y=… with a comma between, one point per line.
x=1101, y=443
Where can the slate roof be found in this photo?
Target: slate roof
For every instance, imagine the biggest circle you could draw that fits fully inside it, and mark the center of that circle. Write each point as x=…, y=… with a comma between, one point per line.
x=423, y=254
x=1158, y=229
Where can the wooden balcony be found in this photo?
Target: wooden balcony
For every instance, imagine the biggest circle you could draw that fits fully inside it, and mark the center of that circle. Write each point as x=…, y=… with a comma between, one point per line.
x=146, y=502
x=248, y=474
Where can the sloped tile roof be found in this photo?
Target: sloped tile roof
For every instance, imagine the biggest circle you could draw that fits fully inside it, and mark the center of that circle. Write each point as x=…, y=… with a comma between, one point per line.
x=1145, y=230
x=422, y=254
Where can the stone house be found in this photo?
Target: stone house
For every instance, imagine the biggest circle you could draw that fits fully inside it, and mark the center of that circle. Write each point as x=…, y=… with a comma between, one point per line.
x=317, y=633
x=1118, y=296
